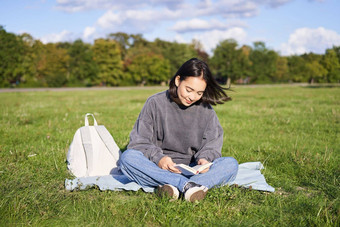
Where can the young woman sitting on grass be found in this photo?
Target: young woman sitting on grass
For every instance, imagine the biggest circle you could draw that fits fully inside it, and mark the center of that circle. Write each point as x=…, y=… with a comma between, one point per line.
x=180, y=126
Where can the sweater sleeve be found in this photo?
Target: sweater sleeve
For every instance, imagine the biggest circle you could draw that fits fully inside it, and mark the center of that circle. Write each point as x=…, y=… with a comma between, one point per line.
x=143, y=136
x=212, y=141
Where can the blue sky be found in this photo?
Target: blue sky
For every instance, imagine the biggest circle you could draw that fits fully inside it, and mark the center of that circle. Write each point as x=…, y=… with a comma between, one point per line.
x=287, y=26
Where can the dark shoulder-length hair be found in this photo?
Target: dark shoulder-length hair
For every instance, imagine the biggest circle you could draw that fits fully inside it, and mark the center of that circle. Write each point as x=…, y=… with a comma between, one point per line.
x=213, y=94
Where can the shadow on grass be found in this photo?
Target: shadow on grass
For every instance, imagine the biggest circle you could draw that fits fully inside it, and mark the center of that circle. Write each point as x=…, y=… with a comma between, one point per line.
x=124, y=148
x=322, y=86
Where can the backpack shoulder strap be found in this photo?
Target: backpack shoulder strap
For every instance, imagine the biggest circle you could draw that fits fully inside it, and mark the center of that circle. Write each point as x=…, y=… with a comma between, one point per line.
x=86, y=141
x=108, y=141
x=87, y=120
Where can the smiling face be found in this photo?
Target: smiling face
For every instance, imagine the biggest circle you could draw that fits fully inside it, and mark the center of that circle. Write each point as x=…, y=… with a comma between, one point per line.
x=189, y=90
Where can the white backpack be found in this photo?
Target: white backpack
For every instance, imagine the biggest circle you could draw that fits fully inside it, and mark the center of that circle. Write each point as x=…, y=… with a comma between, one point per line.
x=93, y=151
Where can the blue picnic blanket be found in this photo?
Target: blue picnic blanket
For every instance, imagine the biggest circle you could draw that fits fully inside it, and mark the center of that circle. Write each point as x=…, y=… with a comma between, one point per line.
x=249, y=176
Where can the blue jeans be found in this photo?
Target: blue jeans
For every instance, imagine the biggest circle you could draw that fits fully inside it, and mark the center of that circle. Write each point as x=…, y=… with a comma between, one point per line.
x=138, y=168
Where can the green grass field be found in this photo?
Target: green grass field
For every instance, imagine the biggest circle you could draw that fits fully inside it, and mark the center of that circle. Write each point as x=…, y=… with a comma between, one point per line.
x=294, y=131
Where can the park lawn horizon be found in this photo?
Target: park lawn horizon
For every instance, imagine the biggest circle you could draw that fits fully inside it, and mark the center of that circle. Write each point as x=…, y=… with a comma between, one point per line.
x=293, y=131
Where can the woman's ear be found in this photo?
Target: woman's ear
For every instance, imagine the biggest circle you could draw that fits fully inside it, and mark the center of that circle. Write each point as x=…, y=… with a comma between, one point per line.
x=177, y=80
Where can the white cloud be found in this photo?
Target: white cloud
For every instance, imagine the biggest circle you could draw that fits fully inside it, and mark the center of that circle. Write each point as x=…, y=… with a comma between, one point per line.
x=237, y=8
x=305, y=40
x=89, y=32
x=179, y=39
x=197, y=25
x=109, y=19
x=134, y=16
x=203, y=25
x=83, y=5
x=224, y=8
x=148, y=18
x=274, y=3
x=188, y=8
x=135, y=21
x=64, y=36
x=210, y=39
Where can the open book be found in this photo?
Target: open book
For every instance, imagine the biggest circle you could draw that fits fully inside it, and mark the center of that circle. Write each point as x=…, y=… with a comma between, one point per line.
x=187, y=170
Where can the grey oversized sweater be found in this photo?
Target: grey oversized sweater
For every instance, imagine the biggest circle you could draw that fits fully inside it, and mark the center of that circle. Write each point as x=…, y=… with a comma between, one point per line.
x=186, y=134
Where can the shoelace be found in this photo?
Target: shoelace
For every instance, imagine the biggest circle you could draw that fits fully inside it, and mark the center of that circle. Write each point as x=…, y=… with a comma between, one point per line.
x=189, y=185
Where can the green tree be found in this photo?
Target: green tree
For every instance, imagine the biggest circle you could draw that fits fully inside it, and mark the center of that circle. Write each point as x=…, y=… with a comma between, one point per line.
x=149, y=69
x=82, y=68
x=246, y=64
x=38, y=59
x=133, y=64
x=297, y=69
x=282, y=70
x=11, y=58
x=264, y=62
x=176, y=53
x=337, y=51
x=29, y=76
x=106, y=55
x=331, y=63
x=231, y=62
x=315, y=72
x=124, y=41
x=201, y=54
x=52, y=65
x=224, y=60
x=137, y=40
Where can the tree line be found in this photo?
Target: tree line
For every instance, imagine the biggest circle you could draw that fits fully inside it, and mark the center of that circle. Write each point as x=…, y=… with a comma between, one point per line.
x=123, y=59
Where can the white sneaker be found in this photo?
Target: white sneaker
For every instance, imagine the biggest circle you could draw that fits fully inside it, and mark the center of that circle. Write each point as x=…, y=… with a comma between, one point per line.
x=168, y=190
x=193, y=191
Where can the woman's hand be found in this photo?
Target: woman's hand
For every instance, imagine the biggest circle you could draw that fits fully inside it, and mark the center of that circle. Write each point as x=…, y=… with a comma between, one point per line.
x=167, y=164
x=203, y=161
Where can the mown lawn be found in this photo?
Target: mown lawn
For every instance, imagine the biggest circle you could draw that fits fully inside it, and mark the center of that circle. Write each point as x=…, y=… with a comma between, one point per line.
x=294, y=131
